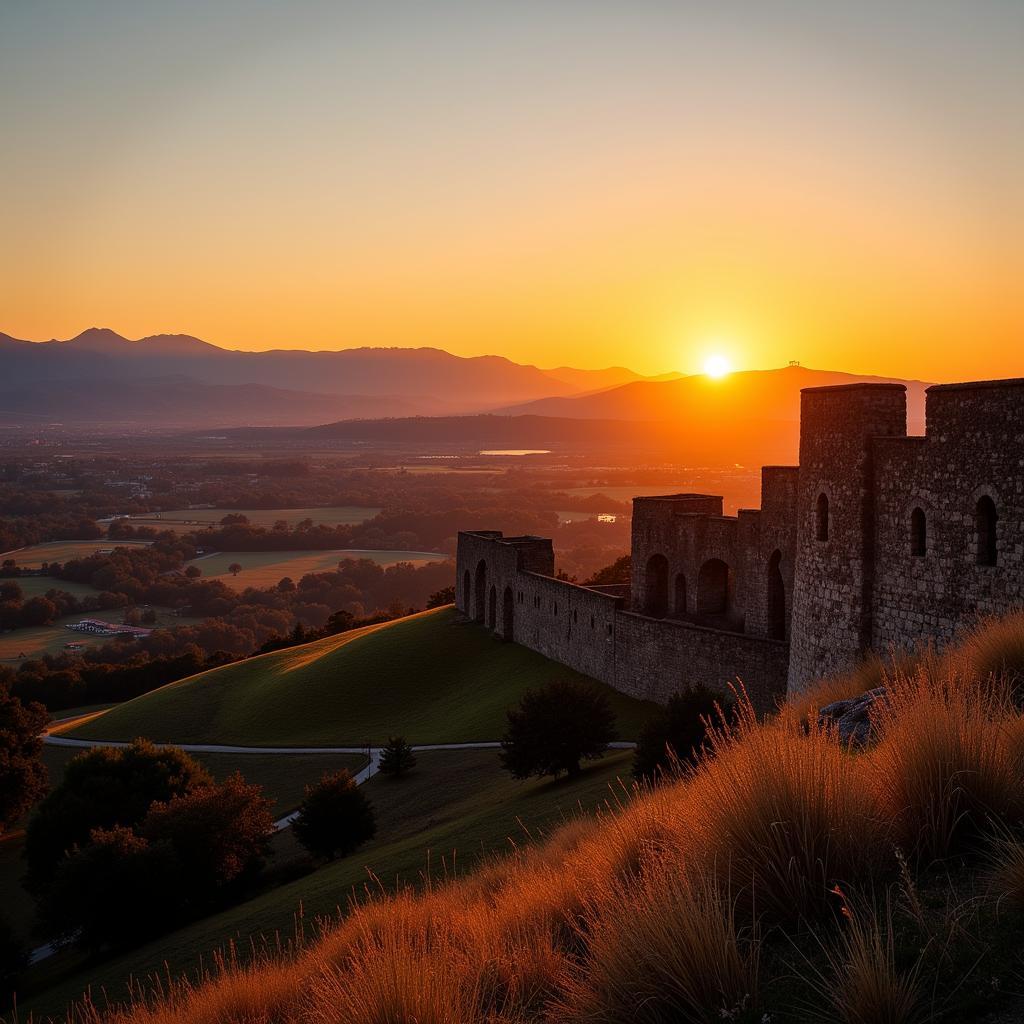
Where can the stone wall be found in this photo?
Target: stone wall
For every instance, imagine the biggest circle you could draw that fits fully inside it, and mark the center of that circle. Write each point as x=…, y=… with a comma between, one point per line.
x=973, y=448
x=876, y=541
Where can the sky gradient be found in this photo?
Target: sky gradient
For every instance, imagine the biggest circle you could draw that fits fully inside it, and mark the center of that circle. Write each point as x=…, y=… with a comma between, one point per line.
x=563, y=182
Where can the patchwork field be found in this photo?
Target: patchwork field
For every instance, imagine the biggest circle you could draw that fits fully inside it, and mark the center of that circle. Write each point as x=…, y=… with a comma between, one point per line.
x=267, y=568
x=61, y=551
x=430, y=676
x=186, y=520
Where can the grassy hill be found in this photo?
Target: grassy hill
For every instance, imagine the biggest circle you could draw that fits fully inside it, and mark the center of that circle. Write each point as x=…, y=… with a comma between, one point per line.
x=430, y=677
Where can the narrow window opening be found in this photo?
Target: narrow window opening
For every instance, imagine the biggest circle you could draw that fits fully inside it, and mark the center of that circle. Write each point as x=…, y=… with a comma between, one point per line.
x=985, y=518
x=918, y=533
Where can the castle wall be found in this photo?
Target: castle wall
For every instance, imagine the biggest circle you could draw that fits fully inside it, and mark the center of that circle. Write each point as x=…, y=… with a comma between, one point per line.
x=973, y=446
x=656, y=658
x=876, y=541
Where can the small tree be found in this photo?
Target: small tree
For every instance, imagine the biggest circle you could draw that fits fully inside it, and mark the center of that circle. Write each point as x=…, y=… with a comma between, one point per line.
x=556, y=727
x=446, y=595
x=397, y=757
x=22, y=773
x=104, y=787
x=193, y=572
x=116, y=890
x=235, y=568
x=335, y=817
x=677, y=732
x=219, y=835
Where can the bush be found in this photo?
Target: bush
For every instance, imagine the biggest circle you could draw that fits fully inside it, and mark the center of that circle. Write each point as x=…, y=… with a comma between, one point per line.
x=556, y=727
x=102, y=788
x=116, y=890
x=218, y=835
x=335, y=817
x=676, y=734
x=22, y=773
x=397, y=757
x=13, y=961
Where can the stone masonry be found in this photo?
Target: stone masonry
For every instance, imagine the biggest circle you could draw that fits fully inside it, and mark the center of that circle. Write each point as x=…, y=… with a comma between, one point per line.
x=876, y=541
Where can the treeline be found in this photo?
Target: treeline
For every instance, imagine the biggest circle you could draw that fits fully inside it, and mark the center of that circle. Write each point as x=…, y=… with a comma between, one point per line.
x=41, y=526
x=16, y=610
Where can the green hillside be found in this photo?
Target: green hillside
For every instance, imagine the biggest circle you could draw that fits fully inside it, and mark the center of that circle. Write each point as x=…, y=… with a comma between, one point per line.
x=430, y=676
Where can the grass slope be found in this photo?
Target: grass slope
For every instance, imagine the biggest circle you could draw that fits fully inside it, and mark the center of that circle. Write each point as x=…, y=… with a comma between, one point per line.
x=430, y=677
x=457, y=807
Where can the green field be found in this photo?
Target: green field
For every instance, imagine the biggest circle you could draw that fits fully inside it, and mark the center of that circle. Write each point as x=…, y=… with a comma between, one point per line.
x=267, y=568
x=431, y=677
x=186, y=520
x=61, y=551
x=455, y=808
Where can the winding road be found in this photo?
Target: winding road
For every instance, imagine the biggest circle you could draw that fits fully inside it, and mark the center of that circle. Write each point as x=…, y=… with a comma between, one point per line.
x=367, y=772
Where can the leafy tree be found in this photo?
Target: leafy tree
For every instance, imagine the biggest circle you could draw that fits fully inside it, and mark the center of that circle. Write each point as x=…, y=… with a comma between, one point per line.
x=235, y=568
x=117, y=889
x=446, y=595
x=554, y=728
x=397, y=757
x=102, y=788
x=22, y=772
x=677, y=732
x=193, y=572
x=335, y=817
x=218, y=834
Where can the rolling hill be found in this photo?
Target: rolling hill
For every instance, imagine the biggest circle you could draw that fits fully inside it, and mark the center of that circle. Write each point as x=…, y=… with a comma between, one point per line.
x=771, y=395
x=429, y=676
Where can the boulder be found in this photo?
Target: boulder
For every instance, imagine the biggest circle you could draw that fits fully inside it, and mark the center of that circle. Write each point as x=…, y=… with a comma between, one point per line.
x=852, y=717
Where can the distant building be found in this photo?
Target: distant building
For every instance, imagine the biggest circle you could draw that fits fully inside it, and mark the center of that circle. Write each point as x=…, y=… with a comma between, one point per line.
x=876, y=541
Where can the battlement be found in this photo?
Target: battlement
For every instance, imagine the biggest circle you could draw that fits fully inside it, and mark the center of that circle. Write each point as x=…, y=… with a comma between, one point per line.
x=876, y=541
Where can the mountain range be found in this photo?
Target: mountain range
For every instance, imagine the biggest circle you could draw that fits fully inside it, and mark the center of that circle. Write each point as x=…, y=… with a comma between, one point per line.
x=409, y=394
x=177, y=379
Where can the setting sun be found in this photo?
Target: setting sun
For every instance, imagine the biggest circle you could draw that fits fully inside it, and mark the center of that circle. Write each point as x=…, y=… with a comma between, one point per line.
x=716, y=366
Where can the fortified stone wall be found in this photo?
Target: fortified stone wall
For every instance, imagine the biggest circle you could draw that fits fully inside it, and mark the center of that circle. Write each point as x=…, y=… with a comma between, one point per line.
x=936, y=572
x=876, y=541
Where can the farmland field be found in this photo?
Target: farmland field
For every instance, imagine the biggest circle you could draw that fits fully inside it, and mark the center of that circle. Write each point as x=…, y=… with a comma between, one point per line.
x=34, y=641
x=185, y=520
x=61, y=551
x=267, y=568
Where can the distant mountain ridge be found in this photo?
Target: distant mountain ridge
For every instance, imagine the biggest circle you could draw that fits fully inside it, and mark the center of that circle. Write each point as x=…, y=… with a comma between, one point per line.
x=770, y=395
x=426, y=380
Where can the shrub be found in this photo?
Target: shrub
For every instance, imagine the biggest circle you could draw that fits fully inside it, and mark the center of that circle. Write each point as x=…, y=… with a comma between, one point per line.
x=397, y=757
x=104, y=787
x=335, y=817
x=22, y=773
x=675, y=734
x=115, y=890
x=556, y=727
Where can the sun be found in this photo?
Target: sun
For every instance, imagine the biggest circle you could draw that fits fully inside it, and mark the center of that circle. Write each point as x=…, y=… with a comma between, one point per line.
x=716, y=366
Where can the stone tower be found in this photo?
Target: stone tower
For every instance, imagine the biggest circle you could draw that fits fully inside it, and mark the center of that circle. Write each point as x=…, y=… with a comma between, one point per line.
x=835, y=532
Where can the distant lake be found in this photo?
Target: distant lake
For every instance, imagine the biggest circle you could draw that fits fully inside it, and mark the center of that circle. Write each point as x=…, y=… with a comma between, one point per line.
x=516, y=451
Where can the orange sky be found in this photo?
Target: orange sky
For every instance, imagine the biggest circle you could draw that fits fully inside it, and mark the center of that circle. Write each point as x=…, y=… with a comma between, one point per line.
x=562, y=183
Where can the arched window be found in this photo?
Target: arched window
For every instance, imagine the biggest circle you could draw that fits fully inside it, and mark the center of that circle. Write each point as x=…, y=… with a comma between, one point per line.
x=656, y=587
x=918, y=533
x=679, y=606
x=821, y=518
x=714, y=588
x=985, y=519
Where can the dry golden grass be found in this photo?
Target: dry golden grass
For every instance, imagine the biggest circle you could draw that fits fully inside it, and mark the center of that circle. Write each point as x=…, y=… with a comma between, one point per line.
x=659, y=909
x=945, y=765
